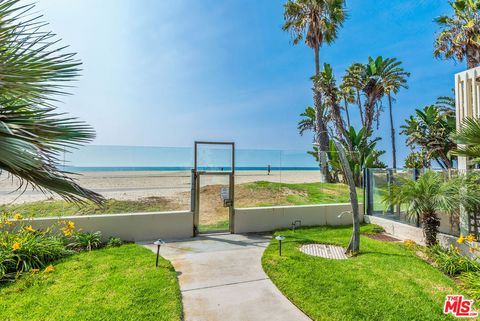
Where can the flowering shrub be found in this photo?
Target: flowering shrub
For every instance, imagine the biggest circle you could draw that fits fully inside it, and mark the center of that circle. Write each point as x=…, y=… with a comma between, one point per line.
x=23, y=248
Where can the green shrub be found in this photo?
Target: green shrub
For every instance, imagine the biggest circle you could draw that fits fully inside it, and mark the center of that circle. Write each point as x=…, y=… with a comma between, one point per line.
x=86, y=241
x=22, y=248
x=451, y=262
x=471, y=284
x=114, y=242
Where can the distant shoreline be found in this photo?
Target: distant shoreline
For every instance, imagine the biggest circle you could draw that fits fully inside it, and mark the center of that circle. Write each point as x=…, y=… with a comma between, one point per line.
x=176, y=168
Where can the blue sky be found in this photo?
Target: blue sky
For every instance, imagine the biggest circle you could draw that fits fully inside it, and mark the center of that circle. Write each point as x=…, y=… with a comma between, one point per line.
x=165, y=73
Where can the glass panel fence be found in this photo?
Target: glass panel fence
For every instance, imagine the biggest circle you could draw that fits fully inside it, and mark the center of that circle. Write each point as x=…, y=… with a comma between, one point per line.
x=155, y=179
x=131, y=179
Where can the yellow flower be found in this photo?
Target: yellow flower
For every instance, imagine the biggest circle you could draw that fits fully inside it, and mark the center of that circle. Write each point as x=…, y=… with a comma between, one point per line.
x=18, y=216
x=29, y=228
x=471, y=238
x=69, y=228
x=49, y=269
x=35, y=270
x=15, y=246
x=461, y=239
x=7, y=222
x=409, y=243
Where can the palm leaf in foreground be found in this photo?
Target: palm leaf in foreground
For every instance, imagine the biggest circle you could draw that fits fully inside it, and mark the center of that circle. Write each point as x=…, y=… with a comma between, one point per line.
x=34, y=72
x=468, y=137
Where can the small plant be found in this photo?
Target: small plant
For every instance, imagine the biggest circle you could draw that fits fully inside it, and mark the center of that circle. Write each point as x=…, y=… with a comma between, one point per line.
x=377, y=229
x=114, y=242
x=451, y=262
x=86, y=240
x=471, y=284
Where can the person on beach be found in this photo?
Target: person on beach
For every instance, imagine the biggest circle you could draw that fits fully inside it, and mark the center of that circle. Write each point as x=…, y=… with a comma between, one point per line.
x=268, y=169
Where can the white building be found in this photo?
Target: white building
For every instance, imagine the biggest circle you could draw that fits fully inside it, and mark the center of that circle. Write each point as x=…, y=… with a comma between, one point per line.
x=467, y=100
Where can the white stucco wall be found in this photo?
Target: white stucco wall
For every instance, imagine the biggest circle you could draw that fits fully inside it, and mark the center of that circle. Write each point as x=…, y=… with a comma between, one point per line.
x=262, y=219
x=129, y=227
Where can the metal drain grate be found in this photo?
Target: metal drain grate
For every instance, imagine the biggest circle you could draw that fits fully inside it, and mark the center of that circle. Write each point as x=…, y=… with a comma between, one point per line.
x=324, y=250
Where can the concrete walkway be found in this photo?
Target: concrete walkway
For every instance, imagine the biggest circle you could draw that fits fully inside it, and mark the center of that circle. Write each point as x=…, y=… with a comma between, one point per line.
x=221, y=279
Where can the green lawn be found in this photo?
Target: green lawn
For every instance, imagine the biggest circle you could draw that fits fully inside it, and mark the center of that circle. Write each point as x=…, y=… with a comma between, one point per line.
x=304, y=193
x=111, y=206
x=384, y=282
x=109, y=284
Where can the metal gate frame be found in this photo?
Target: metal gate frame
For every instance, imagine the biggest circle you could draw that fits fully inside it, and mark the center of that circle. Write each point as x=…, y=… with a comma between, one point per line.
x=195, y=188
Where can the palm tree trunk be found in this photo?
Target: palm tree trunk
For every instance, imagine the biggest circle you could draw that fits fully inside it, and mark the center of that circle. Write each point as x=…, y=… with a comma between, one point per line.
x=321, y=137
x=354, y=245
x=359, y=102
x=321, y=134
x=473, y=56
x=392, y=132
x=431, y=222
x=346, y=112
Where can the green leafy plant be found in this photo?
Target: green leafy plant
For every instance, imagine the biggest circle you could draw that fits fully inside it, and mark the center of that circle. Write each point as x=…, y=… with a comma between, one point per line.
x=451, y=262
x=425, y=197
x=468, y=138
x=430, y=130
x=459, y=34
x=470, y=282
x=86, y=240
x=33, y=134
x=23, y=248
x=114, y=242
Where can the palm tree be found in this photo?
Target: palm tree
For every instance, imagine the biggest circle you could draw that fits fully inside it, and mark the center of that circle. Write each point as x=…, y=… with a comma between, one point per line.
x=348, y=96
x=468, y=137
x=33, y=134
x=460, y=34
x=325, y=83
x=369, y=81
x=307, y=121
x=427, y=196
x=431, y=130
x=353, y=79
x=395, y=78
x=360, y=153
x=318, y=22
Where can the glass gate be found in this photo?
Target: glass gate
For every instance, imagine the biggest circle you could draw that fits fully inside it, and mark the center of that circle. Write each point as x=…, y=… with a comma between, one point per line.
x=213, y=187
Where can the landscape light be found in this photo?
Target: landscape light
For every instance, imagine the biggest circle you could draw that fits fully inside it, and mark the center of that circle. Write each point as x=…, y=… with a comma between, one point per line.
x=280, y=238
x=158, y=243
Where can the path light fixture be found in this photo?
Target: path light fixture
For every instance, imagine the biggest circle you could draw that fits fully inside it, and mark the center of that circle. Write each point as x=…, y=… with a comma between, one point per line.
x=280, y=238
x=158, y=243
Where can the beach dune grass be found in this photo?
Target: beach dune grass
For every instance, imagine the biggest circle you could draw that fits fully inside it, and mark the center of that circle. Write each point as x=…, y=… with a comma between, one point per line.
x=261, y=193
x=384, y=282
x=109, y=284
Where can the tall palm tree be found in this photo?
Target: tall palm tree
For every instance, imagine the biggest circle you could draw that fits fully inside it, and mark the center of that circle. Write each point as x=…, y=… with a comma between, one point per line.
x=395, y=78
x=318, y=22
x=459, y=37
x=33, y=134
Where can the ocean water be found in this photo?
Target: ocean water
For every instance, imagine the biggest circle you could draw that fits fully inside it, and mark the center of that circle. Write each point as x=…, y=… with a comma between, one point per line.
x=139, y=158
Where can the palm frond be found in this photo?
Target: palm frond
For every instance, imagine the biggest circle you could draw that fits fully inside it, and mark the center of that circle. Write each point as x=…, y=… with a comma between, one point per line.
x=35, y=71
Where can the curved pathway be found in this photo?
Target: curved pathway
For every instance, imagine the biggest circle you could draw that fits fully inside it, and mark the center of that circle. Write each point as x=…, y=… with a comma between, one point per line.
x=221, y=279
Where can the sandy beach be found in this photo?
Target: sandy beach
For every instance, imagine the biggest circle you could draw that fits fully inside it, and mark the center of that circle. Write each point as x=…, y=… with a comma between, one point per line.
x=133, y=185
